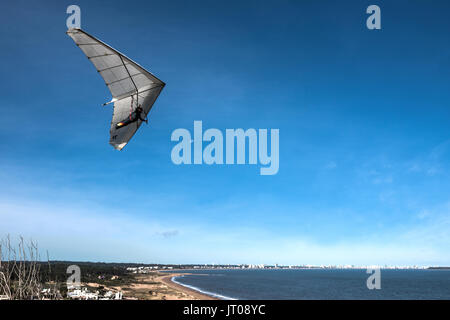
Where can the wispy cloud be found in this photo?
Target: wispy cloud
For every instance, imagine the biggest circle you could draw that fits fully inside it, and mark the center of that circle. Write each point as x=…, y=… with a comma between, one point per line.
x=331, y=165
x=86, y=235
x=432, y=163
x=169, y=233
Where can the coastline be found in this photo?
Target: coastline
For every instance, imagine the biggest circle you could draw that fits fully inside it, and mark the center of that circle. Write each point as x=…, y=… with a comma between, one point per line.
x=196, y=294
x=156, y=286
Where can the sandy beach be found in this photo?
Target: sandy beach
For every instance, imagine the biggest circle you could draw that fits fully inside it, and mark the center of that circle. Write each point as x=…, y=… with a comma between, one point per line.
x=158, y=286
x=194, y=294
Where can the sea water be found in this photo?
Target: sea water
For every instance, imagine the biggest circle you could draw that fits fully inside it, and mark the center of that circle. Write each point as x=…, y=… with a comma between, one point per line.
x=318, y=284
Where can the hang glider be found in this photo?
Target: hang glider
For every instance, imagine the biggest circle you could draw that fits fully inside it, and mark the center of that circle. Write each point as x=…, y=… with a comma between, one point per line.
x=130, y=84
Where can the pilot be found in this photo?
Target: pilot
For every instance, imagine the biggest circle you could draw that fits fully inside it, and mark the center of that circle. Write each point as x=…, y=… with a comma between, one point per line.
x=134, y=116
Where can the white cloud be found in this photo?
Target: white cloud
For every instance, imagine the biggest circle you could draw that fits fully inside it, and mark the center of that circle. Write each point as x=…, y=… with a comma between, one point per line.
x=331, y=165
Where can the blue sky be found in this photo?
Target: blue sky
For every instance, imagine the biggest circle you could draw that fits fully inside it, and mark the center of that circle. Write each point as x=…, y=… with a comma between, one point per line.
x=364, y=133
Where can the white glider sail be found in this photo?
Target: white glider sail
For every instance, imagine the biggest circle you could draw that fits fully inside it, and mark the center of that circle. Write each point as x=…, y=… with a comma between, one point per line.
x=130, y=84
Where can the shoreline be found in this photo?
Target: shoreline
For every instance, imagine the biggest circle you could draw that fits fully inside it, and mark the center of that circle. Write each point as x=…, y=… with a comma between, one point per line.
x=197, y=294
x=157, y=286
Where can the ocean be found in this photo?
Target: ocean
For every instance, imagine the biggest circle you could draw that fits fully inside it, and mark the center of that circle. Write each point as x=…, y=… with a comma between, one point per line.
x=294, y=284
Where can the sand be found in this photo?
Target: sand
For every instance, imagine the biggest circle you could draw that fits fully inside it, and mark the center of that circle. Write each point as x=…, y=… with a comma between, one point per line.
x=190, y=292
x=158, y=286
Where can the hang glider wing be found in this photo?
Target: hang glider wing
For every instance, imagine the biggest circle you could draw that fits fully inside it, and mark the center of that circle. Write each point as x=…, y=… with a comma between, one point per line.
x=130, y=84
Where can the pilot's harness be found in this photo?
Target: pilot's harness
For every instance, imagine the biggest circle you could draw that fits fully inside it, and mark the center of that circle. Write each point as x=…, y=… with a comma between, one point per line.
x=131, y=109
